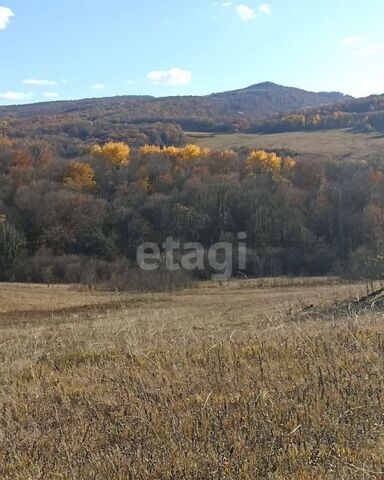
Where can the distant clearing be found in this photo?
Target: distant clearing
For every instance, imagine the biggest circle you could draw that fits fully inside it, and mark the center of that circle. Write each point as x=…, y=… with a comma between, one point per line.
x=335, y=143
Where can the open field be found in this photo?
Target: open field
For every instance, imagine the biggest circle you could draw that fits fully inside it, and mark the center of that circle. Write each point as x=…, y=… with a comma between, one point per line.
x=26, y=300
x=21, y=297
x=228, y=381
x=336, y=143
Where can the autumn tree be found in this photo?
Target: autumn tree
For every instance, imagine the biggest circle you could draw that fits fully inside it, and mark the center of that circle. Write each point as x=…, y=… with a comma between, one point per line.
x=295, y=121
x=79, y=176
x=41, y=153
x=191, y=152
x=22, y=159
x=374, y=216
x=58, y=220
x=222, y=162
x=288, y=164
x=115, y=153
x=5, y=141
x=260, y=161
x=172, y=151
x=146, y=150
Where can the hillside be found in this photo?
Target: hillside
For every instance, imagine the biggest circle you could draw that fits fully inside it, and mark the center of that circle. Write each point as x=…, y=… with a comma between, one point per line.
x=362, y=114
x=255, y=102
x=143, y=119
x=267, y=99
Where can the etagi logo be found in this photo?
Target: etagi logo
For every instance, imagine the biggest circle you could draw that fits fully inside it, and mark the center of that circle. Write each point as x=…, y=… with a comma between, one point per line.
x=222, y=257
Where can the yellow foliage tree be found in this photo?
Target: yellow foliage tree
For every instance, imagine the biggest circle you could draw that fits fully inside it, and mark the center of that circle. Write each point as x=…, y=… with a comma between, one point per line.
x=172, y=151
x=295, y=119
x=149, y=150
x=144, y=180
x=316, y=119
x=117, y=153
x=227, y=154
x=260, y=161
x=79, y=176
x=337, y=115
x=190, y=152
x=288, y=164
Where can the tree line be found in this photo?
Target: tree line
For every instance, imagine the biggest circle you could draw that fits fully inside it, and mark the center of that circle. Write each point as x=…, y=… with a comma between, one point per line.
x=82, y=220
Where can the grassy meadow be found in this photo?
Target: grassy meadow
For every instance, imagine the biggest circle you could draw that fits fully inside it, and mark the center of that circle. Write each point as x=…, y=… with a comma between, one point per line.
x=323, y=144
x=243, y=380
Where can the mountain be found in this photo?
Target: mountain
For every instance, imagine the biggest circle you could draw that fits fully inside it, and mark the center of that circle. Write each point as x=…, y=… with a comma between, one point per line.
x=141, y=119
x=268, y=99
x=259, y=101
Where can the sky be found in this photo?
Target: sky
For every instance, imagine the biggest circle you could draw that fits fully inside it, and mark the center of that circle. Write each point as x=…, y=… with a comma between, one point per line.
x=70, y=49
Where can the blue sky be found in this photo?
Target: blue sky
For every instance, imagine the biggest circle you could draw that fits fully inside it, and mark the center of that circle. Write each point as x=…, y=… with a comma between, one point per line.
x=66, y=49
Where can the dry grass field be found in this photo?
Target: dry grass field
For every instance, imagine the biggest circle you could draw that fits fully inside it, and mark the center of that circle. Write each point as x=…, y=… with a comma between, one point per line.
x=333, y=143
x=27, y=298
x=244, y=380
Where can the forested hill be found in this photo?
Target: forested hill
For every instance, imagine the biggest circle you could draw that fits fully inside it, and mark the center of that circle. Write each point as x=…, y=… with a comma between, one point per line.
x=140, y=120
x=268, y=99
x=256, y=102
x=362, y=114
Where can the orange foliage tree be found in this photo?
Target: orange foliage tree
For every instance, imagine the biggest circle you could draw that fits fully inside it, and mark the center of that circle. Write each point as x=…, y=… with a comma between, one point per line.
x=22, y=159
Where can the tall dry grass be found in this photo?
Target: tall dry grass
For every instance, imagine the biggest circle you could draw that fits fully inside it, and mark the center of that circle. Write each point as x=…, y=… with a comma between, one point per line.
x=170, y=394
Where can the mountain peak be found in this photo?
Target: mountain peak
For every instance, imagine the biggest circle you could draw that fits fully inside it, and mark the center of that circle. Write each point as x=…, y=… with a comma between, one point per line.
x=264, y=85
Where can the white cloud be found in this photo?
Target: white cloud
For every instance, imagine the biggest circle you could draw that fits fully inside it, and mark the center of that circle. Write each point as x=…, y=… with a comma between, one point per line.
x=51, y=94
x=352, y=40
x=5, y=16
x=360, y=45
x=370, y=49
x=245, y=13
x=174, y=76
x=265, y=8
x=37, y=82
x=98, y=86
x=221, y=4
x=15, y=96
x=130, y=82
